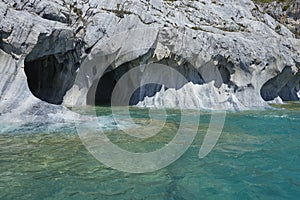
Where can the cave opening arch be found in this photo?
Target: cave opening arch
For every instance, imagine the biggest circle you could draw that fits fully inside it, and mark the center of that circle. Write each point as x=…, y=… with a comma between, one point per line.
x=100, y=92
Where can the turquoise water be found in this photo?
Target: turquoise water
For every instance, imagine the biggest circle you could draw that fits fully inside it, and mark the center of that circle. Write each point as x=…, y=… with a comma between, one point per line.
x=256, y=157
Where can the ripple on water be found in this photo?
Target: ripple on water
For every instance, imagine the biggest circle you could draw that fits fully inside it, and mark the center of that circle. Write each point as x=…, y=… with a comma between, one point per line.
x=257, y=157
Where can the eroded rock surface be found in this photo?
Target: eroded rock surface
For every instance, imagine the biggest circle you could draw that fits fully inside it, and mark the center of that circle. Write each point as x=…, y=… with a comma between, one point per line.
x=286, y=12
x=233, y=55
x=38, y=61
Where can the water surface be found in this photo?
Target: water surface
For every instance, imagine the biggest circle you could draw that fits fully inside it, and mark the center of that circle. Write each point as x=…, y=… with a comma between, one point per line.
x=256, y=157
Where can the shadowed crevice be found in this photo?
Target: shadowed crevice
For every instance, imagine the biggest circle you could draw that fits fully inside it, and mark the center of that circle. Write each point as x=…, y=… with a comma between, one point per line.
x=285, y=85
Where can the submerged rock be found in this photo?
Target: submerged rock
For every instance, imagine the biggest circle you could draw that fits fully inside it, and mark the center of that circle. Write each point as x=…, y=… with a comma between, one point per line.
x=232, y=54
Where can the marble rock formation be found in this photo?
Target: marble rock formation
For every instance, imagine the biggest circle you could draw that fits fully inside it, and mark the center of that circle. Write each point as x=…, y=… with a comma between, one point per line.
x=232, y=54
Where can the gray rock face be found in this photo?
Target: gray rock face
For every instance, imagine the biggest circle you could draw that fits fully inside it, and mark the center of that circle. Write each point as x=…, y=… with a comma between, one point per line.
x=288, y=13
x=37, y=56
x=232, y=55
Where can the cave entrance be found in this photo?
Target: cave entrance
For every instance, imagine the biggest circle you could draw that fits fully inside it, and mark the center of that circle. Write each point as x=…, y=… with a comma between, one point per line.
x=48, y=78
x=285, y=85
x=100, y=93
x=50, y=72
x=101, y=90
